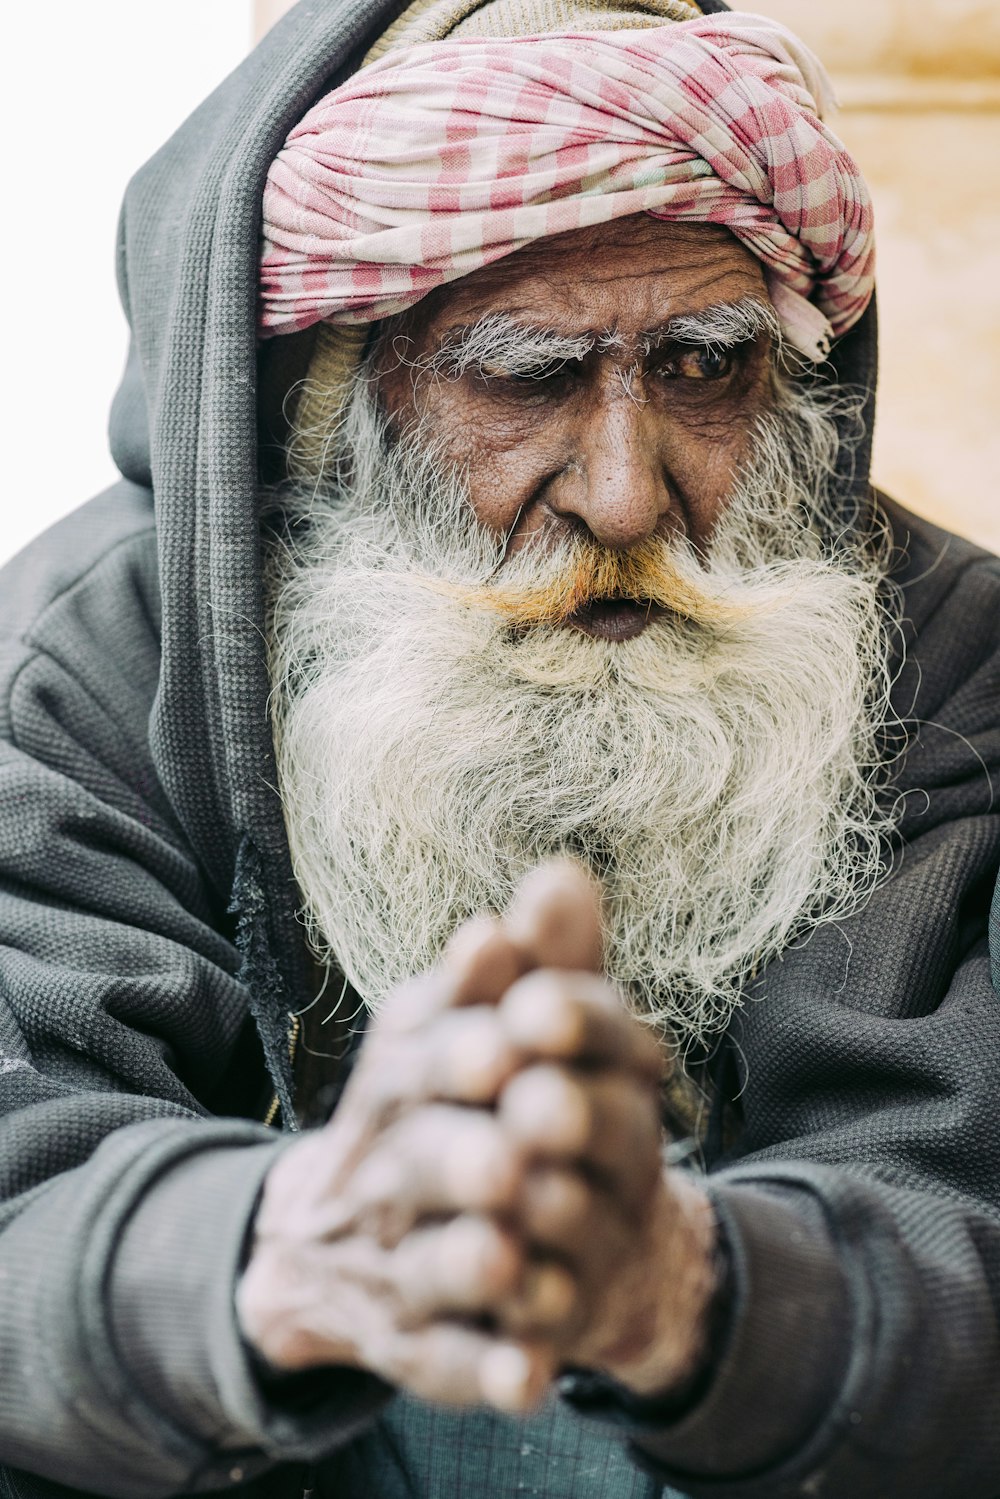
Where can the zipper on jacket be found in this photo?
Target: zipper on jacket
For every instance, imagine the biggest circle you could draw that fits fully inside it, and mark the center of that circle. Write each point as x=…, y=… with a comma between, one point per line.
x=294, y=1031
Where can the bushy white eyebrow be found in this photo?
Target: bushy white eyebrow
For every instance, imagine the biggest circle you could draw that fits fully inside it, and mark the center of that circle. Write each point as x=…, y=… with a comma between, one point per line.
x=497, y=344
x=723, y=326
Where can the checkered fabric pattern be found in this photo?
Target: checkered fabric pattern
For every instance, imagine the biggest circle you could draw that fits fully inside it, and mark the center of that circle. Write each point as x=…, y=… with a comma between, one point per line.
x=443, y=157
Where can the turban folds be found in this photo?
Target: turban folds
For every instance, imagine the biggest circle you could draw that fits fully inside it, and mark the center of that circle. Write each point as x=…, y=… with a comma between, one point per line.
x=445, y=156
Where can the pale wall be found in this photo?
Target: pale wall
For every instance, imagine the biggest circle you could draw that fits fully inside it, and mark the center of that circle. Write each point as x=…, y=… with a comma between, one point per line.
x=920, y=84
x=90, y=91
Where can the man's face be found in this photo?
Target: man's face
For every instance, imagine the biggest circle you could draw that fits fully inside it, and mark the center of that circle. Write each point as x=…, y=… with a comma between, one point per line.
x=642, y=434
x=440, y=730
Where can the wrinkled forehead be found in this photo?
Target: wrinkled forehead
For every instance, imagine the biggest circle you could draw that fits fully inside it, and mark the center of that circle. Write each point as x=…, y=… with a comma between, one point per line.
x=623, y=279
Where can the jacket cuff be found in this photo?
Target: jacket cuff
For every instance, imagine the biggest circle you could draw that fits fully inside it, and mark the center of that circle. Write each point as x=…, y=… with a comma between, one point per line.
x=782, y=1360
x=172, y=1315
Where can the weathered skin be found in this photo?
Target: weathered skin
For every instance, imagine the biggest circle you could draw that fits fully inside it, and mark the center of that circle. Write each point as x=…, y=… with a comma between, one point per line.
x=577, y=450
x=496, y=1156
x=488, y=1202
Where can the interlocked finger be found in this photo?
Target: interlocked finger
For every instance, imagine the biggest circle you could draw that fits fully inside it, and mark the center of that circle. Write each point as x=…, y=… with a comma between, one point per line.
x=556, y=1210
x=480, y=964
x=438, y=1160
x=555, y=918
x=468, y=1055
x=463, y=1268
x=472, y=1268
x=576, y=1225
x=545, y=1304
x=578, y=1017
x=606, y=1123
x=455, y=1365
x=463, y=1055
x=483, y=962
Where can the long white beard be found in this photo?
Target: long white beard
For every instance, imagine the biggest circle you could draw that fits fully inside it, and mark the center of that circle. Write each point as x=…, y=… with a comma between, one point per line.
x=721, y=780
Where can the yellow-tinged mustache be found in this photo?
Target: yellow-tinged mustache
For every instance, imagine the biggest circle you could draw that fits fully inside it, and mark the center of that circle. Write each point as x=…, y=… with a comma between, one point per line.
x=646, y=574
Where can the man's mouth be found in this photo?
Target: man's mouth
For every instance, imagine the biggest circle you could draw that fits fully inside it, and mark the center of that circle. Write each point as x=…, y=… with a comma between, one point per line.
x=614, y=619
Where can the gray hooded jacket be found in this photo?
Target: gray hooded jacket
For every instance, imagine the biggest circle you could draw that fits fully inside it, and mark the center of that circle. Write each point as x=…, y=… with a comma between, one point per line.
x=150, y=955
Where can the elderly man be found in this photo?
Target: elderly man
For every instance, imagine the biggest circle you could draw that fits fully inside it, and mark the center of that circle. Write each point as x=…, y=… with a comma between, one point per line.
x=525, y=664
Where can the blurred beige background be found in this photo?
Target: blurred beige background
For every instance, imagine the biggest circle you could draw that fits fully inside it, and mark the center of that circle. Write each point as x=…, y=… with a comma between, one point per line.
x=919, y=86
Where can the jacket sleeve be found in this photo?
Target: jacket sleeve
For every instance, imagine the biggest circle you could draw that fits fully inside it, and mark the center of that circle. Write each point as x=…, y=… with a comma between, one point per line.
x=862, y=1211
x=124, y=1199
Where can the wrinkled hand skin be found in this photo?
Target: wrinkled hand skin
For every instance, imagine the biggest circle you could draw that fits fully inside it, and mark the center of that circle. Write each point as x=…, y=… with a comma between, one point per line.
x=488, y=1203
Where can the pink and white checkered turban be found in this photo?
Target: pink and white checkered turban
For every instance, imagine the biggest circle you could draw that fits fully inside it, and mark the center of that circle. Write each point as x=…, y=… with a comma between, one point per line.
x=445, y=156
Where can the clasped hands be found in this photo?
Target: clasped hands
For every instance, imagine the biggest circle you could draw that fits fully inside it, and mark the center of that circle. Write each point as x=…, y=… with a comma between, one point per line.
x=488, y=1203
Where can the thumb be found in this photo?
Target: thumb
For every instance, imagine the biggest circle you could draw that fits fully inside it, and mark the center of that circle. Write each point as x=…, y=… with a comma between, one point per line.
x=556, y=917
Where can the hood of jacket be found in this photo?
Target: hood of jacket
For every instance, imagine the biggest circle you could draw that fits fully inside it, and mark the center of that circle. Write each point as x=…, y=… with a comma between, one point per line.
x=185, y=424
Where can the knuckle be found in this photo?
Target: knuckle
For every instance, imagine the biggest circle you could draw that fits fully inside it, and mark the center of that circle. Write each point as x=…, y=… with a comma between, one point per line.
x=544, y=990
x=408, y=1006
x=552, y=1295
x=476, y=1254
x=415, y=1360
x=439, y=1157
x=475, y=1057
x=556, y=1201
x=547, y=1108
x=608, y=996
x=470, y=938
x=380, y=1177
x=506, y=1374
x=479, y=1166
x=566, y=1012
x=483, y=959
x=289, y=1347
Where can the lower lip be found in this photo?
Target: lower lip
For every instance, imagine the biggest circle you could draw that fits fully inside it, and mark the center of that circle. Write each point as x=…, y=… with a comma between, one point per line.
x=613, y=619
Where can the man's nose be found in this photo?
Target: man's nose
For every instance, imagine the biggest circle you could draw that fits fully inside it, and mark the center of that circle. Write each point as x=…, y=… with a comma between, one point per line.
x=615, y=481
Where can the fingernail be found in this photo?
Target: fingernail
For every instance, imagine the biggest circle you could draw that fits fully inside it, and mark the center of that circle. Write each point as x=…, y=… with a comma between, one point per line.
x=542, y=1107
x=553, y=1294
x=475, y=1175
x=505, y=1377
x=539, y=1018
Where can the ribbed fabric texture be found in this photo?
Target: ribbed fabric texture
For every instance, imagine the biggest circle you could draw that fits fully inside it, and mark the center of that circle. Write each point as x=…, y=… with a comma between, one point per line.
x=433, y=20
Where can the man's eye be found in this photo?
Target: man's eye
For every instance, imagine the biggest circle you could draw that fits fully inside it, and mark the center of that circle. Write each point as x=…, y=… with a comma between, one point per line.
x=708, y=363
